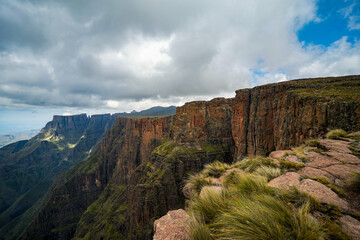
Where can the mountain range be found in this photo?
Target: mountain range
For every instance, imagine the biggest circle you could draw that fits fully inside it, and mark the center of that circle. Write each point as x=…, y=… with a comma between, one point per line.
x=17, y=136
x=131, y=170
x=29, y=167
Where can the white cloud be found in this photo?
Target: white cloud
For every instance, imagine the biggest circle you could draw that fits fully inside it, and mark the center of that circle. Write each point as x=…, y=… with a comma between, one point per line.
x=124, y=55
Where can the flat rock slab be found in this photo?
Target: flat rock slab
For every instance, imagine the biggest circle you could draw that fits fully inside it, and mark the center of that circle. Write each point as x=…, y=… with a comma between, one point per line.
x=172, y=226
x=351, y=226
x=206, y=189
x=343, y=172
x=318, y=160
x=322, y=193
x=336, y=145
x=344, y=157
x=279, y=154
x=310, y=172
x=286, y=181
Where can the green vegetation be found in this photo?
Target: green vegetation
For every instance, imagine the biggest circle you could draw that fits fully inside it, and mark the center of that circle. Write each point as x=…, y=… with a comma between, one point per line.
x=251, y=164
x=355, y=182
x=290, y=166
x=268, y=172
x=215, y=169
x=105, y=217
x=197, y=181
x=347, y=90
x=336, y=134
x=314, y=143
x=355, y=148
x=248, y=208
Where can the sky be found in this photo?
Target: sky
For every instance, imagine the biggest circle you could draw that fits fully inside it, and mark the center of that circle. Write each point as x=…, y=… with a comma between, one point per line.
x=76, y=56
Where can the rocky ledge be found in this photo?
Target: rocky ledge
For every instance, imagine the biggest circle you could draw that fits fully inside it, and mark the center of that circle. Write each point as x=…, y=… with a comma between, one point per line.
x=321, y=169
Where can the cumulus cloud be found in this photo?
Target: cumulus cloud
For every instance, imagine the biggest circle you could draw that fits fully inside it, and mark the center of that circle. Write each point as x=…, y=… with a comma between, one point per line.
x=110, y=54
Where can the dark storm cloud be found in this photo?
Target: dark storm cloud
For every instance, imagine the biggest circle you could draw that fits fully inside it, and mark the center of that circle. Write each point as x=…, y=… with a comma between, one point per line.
x=89, y=53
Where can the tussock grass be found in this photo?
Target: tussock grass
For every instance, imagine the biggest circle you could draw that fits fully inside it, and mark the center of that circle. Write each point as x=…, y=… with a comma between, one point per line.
x=251, y=164
x=290, y=165
x=210, y=205
x=215, y=169
x=355, y=182
x=198, y=181
x=265, y=217
x=313, y=143
x=198, y=230
x=250, y=184
x=250, y=209
x=268, y=172
x=336, y=134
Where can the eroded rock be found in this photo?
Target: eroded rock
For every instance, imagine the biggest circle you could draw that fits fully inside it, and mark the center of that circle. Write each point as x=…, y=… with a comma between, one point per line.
x=310, y=172
x=322, y=193
x=335, y=145
x=172, y=226
x=318, y=160
x=286, y=181
x=343, y=171
x=351, y=226
x=344, y=157
x=279, y=154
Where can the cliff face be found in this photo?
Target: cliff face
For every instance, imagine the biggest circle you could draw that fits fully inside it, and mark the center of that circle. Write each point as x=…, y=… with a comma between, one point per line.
x=278, y=116
x=123, y=149
x=28, y=168
x=137, y=174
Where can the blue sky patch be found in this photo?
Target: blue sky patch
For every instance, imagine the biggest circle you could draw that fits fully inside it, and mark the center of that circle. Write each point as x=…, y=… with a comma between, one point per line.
x=337, y=18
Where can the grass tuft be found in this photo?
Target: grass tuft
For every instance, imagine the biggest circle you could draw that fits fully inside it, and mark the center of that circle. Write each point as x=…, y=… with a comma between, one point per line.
x=198, y=181
x=336, y=134
x=268, y=172
x=198, y=230
x=290, y=165
x=265, y=217
x=251, y=164
x=215, y=169
x=209, y=205
x=355, y=182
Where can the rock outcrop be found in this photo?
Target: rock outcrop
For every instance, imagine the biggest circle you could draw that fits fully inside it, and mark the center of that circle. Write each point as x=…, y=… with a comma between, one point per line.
x=172, y=226
x=139, y=170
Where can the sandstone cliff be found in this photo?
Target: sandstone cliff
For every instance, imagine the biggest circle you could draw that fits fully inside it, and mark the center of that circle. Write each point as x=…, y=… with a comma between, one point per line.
x=137, y=174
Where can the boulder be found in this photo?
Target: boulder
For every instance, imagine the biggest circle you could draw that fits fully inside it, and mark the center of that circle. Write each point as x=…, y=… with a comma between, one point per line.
x=279, y=154
x=172, y=226
x=286, y=181
x=351, y=226
x=322, y=193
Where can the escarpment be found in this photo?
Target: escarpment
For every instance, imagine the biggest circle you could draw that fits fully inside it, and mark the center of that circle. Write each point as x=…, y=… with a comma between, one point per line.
x=137, y=173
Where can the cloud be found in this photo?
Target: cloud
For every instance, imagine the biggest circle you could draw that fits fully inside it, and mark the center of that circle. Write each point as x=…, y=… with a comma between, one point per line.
x=131, y=54
x=352, y=14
